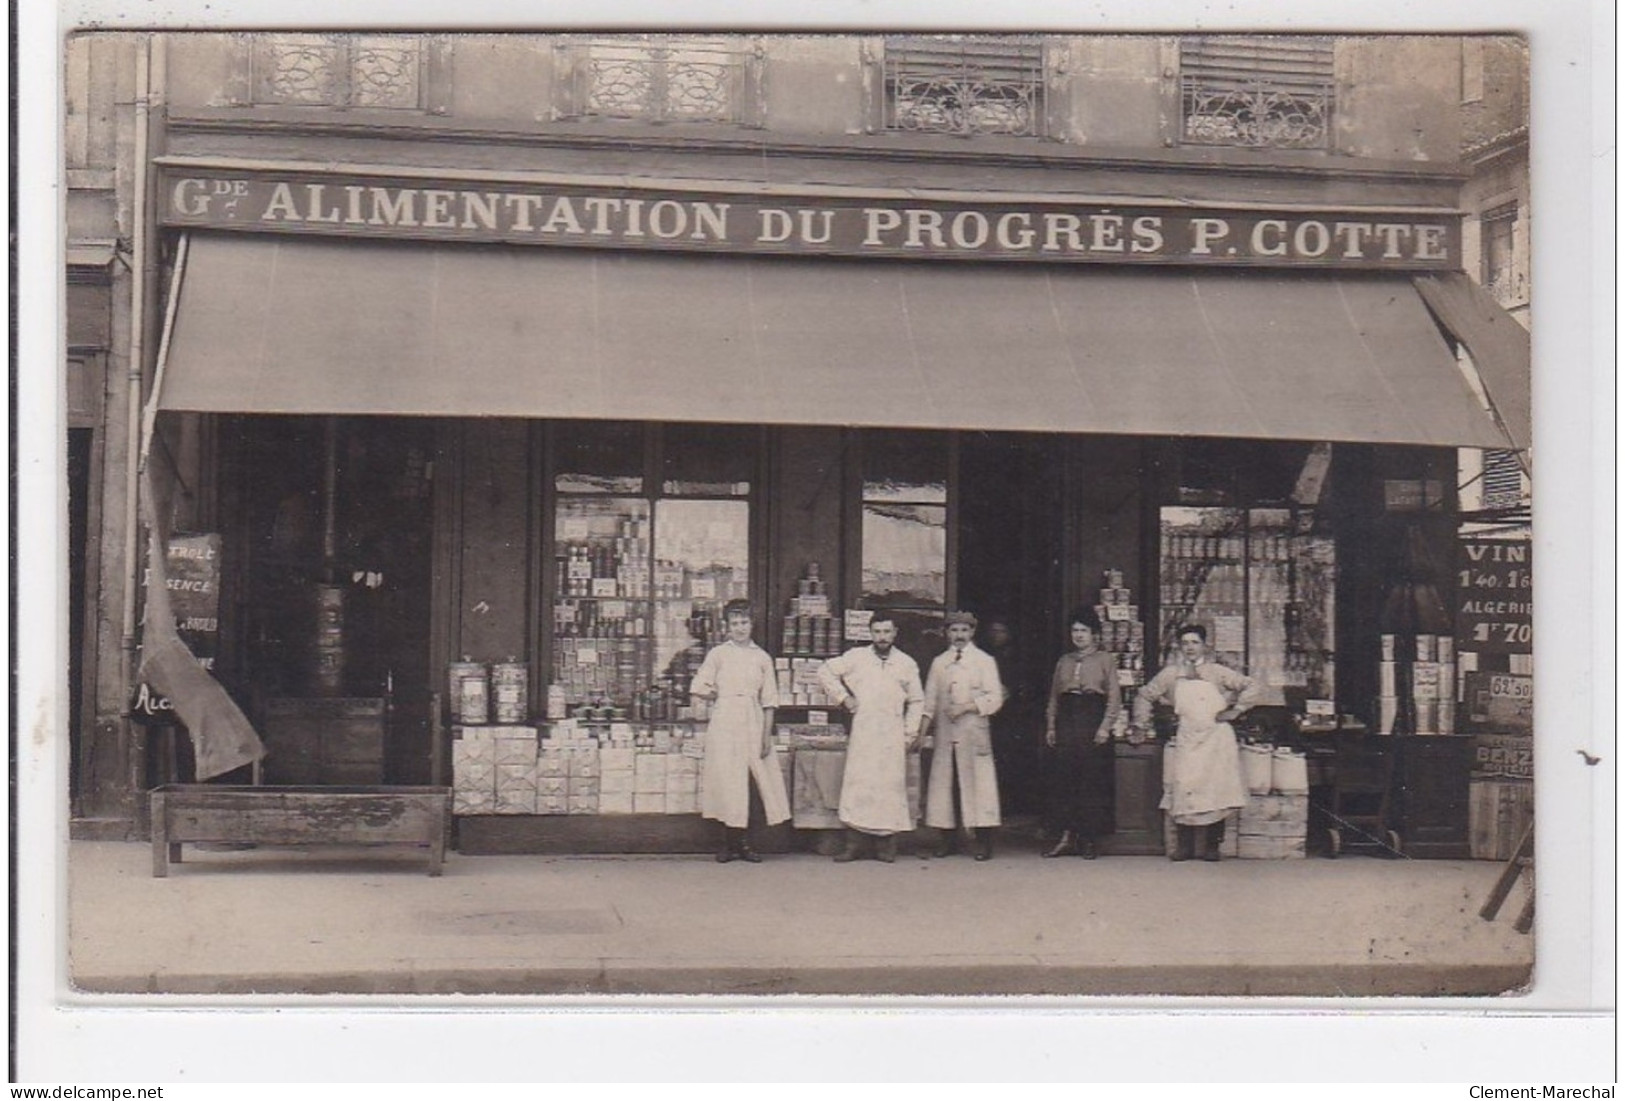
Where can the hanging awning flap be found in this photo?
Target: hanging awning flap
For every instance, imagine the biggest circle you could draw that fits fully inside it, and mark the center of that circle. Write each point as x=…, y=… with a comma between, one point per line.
x=282, y=326
x=1498, y=345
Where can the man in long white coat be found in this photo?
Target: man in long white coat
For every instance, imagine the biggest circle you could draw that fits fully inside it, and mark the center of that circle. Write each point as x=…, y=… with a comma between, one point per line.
x=880, y=685
x=962, y=691
x=737, y=677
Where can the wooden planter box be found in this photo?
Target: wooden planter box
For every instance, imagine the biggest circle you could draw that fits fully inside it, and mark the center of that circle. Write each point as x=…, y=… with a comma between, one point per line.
x=298, y=816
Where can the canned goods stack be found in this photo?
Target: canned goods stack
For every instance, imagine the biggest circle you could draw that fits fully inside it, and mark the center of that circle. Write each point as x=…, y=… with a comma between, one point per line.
x=1123, y=636
x=1428, y=684
x=810, y=628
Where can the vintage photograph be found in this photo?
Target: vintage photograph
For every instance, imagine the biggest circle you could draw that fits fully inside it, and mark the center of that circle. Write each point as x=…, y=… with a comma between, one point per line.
x=845, y=514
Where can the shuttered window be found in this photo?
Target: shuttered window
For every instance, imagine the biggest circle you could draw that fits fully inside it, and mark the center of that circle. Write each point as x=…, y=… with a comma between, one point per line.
x=1272, y=92
x=954, y=84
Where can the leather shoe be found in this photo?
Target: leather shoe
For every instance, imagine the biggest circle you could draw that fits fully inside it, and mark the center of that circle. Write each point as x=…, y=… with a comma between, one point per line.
x=724, y=855
x=886, y=850
x=748, y=855
x=984, y=845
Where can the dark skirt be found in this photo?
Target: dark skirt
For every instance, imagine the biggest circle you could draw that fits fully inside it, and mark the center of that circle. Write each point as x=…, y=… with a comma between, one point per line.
x=1080, y=773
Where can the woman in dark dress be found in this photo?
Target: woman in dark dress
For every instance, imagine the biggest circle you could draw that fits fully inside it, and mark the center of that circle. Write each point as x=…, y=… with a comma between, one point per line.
x=1084, y=701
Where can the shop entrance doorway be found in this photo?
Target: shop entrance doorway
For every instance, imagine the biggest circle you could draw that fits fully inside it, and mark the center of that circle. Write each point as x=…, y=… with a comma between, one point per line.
x=1009, y=573
x=334, y=547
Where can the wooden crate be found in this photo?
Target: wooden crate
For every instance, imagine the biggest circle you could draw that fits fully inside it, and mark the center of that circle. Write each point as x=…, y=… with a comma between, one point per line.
x=298, y=816
x=1497, y=813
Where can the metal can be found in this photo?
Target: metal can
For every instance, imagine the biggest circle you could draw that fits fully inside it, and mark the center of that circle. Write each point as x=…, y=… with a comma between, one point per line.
x=470, y=693
x=1388, y=643
x=510, y=692
x=1427, y=647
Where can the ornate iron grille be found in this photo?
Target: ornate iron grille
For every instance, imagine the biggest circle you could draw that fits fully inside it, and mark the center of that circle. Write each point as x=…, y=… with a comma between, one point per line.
x=338, y=70
x=662, y=80
x=1266, y=92
x=964, y=86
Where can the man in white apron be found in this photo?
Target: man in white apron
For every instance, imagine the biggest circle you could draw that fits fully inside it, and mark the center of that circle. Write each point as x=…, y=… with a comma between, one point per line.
x=961, y=691
x=1201, y=767
x=880, y=685
x=737, y=677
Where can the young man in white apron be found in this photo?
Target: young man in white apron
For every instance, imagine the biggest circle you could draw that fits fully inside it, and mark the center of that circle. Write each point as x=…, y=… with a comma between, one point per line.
x=1201, y=768
x=737, y=677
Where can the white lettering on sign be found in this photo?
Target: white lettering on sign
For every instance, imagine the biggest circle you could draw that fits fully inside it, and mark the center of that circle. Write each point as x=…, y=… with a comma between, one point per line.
x=652, y=218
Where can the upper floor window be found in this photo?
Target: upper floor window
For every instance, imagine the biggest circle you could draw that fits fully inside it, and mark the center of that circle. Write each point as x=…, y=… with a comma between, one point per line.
x=662, y=78
x=1272, y=92
x=964, y=85
x=339, y=70
x=1498, y=247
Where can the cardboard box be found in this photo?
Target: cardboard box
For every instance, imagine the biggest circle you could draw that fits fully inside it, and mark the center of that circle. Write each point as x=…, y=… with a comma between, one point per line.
x=617, y=781
x=514, y=751
x=516, y=788
x=473, y=801
x=552, y=805
x=582, y=804
x=615, y=802
x=582, y=786
x=644, y=802
x=552, y=762
x=551, y=787
x=649, y=773
x=615, y=759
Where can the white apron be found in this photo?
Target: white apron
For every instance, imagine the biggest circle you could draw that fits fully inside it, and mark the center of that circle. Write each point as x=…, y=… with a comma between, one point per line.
x=741, y=677
x=957, y=756
x=874, y=787
x=1201, y=768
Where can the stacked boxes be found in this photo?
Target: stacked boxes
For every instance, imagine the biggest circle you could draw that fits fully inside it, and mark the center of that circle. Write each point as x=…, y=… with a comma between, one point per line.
x=473, y=770
x=552, y=773
x=577, y=768
x=798, y=682
x=581, y=779
x=516, y=769
x=648, y=781
x=615, y=780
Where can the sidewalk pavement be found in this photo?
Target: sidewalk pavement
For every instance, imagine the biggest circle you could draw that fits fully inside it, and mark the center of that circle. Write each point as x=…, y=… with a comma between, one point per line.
x=335, y=920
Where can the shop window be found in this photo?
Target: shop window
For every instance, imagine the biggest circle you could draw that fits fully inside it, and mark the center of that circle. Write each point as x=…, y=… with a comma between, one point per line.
x=1262, y=581
x=952, y=84
x=1265, y=91
x=662, y=78
x=340, y=70
x=1499, y=251
x=905, y=519
x=640, y=578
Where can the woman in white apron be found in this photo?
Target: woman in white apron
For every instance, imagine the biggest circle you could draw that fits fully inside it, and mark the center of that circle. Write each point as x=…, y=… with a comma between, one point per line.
x=1201, y=768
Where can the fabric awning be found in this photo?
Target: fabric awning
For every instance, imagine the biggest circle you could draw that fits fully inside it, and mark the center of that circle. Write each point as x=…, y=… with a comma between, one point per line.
x=1497, y=344
x=306, y=326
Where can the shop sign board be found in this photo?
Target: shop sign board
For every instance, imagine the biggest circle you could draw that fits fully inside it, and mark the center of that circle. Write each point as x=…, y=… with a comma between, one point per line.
x=836, y=222
x=1501, y=702
x=192, y=569
x=1503, y=757
x=1494, y=607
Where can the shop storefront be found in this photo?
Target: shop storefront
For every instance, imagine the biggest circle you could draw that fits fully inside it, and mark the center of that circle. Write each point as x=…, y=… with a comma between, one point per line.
x=487, y=455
